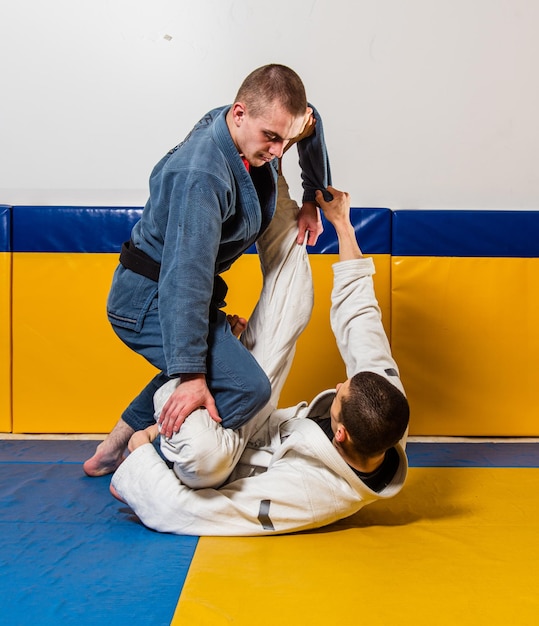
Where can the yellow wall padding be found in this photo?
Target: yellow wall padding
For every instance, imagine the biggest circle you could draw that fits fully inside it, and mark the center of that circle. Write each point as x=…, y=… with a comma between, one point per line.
x=317, y=364
x=456, y=546
x=5, y=342
x=463, y=331
x=465, y=335
x=71, y=374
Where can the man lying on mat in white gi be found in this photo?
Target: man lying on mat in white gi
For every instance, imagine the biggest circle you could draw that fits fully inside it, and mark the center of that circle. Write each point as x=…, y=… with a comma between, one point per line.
x=286, y=469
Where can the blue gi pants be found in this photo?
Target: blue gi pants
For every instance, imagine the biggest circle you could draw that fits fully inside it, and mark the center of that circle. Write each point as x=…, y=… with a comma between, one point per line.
x=237, y=382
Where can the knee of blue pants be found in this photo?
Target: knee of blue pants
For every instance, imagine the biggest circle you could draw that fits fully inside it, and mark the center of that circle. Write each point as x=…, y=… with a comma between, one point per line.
x=241, y=403
x=238, y=383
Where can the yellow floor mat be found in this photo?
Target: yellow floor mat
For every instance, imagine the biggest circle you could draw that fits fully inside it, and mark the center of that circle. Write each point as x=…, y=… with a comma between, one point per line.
x=458, y=546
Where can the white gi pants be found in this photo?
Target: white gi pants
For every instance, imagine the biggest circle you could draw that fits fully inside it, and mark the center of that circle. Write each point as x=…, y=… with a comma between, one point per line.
x=204, y=453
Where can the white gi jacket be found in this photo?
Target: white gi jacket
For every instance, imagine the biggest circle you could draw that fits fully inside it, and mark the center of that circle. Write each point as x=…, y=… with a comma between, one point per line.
x=280, y=472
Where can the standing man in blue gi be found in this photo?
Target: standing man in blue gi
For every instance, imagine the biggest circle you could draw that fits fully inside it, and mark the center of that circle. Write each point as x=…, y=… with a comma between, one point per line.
x=211, y=197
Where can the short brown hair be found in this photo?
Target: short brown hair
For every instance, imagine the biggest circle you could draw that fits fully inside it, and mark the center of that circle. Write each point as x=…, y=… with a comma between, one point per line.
x=375, y=413
x=271, y=83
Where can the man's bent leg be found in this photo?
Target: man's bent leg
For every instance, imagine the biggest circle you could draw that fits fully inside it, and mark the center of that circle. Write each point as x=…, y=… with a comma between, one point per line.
x=203, y=453
x=286, y=301
x=238, y=384
x=139, y=414
x=237, y=381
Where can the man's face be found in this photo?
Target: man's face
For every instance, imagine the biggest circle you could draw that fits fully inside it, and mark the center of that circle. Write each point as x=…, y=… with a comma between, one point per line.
x=263, y=138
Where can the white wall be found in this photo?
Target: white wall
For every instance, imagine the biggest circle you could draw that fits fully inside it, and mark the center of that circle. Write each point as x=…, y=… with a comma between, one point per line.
x=426, y=103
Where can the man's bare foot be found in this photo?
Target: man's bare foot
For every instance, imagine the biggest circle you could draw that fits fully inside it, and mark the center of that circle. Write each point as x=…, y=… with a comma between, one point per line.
x=237, y=324
x=109, y=453
x=116, y=494
x=102, y=463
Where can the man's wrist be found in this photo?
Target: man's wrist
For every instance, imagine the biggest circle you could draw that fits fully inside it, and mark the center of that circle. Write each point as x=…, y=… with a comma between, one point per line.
x=191, y=376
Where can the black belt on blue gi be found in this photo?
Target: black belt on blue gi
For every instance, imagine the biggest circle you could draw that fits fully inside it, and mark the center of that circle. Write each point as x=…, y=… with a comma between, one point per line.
x=134, y=259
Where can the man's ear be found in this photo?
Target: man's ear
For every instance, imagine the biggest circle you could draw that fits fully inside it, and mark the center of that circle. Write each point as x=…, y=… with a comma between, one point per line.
x=238, y=112
x=341, y=434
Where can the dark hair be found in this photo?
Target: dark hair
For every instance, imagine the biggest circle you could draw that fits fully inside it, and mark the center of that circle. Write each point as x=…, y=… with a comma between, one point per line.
x=375, y=413
x=271, y=83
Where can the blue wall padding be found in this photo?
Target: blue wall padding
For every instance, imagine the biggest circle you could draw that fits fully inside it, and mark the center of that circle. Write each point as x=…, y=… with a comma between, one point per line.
x=5, y=228
x=71, y=553
x=103, y=229
x=409, y=233
x=72, y=229
x=372, y=227
x=455, y=233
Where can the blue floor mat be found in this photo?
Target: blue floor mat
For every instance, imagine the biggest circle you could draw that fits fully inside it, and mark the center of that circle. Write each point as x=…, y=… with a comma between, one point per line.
x=71, y=553
x=420, y=454
x=464, y=454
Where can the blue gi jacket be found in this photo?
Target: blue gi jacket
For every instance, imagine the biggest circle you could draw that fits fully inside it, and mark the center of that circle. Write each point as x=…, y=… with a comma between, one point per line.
x=205, y=209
